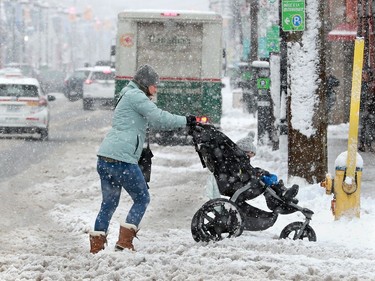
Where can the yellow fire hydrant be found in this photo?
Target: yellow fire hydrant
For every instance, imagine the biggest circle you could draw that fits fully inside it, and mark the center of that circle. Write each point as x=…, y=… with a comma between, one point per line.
x=346, y=190
x=346, y=187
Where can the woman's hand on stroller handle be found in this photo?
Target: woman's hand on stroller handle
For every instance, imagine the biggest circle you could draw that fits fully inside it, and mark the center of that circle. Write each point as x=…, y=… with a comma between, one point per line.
x=191, y=121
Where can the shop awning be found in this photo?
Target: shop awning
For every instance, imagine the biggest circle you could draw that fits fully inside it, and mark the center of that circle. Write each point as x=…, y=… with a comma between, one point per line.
x=343, y=32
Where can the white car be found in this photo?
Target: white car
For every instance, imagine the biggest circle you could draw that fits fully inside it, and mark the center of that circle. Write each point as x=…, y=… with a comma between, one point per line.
x=23, y=106
x=99, y=87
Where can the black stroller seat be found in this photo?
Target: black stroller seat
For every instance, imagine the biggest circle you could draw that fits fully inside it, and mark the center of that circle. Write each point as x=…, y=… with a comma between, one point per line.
x=228, y=163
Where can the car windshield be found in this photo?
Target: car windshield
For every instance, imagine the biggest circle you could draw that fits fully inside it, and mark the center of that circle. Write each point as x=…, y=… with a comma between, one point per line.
x=103, y=76
x=16, y=90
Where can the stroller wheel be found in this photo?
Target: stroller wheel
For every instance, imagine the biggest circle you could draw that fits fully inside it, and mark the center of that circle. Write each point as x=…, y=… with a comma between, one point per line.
x=291, y=231
x=194, y=227
x=215, y=220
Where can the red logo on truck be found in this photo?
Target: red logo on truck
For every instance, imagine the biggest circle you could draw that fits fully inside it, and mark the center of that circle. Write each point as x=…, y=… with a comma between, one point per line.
x=127, y=40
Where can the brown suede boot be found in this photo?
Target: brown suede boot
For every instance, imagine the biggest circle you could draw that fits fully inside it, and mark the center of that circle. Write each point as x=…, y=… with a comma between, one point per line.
x=97, y=241
x=125, y=239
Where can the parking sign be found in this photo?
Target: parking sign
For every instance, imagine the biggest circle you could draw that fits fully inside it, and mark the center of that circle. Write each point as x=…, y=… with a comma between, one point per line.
x=293, y=15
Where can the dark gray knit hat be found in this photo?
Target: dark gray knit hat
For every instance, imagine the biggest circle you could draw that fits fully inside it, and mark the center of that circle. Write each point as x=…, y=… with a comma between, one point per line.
x=247, y=143
x=146, y=76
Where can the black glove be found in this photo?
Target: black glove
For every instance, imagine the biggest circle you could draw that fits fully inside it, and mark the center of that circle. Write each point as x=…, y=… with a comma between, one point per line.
x=191, y=121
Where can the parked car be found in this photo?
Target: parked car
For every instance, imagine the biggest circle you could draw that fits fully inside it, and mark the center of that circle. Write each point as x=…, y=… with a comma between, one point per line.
x=99, y=87
x=52, y=80
x=24, y=107
x=73, y=84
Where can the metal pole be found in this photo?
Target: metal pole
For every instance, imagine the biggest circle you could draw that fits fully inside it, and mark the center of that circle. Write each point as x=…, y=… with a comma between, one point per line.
x=12, y=52
x=1, y=51
x=74, y=36
x=283, y=74
x=354, y=107
x=46, y=27
x=249, y=88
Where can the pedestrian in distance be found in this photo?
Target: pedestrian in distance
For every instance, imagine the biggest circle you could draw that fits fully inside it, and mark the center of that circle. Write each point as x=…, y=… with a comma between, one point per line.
x=119, y=153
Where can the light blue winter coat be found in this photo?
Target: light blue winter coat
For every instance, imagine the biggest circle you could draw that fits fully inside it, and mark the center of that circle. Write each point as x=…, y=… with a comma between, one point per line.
x=124, y=141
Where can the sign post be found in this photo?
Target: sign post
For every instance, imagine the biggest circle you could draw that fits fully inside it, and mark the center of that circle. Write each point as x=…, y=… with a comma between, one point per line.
x=266, y=134
x=273, y=39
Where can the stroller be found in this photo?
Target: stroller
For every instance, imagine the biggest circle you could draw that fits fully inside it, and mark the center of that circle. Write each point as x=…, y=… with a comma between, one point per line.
x=224, y=218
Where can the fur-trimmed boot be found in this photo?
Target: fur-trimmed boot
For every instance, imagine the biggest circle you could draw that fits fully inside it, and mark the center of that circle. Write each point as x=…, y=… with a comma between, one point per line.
x=125, y=239
x=97, y=241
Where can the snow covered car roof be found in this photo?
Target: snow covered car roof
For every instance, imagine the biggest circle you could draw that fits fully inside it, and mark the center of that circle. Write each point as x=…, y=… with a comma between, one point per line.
x=102, y=68
x=10, y=71
x=19, y=80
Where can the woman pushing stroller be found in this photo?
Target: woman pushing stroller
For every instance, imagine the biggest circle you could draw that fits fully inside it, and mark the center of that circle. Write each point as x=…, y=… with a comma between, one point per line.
x=119, y=153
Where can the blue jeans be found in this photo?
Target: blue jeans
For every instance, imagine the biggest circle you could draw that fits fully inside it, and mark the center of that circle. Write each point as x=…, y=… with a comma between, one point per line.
x=114, y=176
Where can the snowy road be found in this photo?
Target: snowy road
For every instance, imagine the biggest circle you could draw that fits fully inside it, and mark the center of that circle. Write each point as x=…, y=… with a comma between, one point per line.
x=68, y=124
x=47, y=210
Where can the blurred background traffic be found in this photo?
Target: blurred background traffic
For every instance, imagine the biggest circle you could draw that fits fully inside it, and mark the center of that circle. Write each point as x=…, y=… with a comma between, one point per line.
x=50, y=39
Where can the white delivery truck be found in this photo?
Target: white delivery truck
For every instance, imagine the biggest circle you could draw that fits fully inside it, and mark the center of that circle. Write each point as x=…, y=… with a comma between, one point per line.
x=185, y=48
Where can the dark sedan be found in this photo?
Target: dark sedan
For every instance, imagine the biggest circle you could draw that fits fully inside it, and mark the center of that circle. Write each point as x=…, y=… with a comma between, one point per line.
x=73, y=88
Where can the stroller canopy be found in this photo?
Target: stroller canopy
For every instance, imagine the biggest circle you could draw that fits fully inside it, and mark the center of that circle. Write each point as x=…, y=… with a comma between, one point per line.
x=229, y=164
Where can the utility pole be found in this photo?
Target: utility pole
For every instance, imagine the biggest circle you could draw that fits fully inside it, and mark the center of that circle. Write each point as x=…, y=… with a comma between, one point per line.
x=249, y=87
x=237, y=23
x=13, y=26
x=283, y=75
x=254, y=9
x=1, y=31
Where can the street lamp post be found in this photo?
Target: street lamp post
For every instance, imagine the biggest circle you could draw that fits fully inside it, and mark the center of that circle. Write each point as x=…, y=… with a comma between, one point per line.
x=1, y=43
x=24, y=48
x=13, y=28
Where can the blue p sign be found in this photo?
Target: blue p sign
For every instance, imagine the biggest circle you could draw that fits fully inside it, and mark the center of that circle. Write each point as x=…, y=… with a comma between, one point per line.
x=297, y=20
